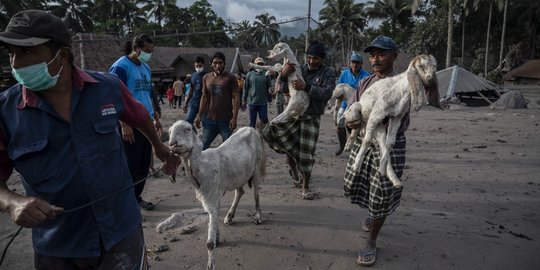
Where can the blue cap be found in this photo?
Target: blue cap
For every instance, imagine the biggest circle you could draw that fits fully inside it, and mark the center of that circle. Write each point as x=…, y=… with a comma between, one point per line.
x=357, y=57
x=382, y=42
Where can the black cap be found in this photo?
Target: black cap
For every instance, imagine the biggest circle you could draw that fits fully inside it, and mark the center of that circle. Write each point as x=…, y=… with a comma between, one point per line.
x=34, y=27
x=382, y=42
x=316, y=49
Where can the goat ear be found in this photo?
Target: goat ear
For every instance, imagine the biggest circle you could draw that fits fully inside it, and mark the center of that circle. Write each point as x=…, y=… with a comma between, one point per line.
x=416, y=86
x=432, y=92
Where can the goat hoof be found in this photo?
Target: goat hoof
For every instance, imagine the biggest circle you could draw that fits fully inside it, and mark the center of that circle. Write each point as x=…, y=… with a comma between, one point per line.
x=211, y=245
x=257, y=219
x=228, y=219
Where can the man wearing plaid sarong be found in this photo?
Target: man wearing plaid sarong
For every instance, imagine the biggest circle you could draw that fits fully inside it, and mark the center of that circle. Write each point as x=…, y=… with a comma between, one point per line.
x=367, y=187
x=298, y=138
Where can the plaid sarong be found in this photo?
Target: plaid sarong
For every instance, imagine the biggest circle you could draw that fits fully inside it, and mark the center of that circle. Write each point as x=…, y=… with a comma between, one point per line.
x=366, y=187
x=297, y=138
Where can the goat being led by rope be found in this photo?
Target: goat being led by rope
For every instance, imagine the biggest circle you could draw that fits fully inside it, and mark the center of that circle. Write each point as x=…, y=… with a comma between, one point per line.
x=237, y=161
x=383, y=105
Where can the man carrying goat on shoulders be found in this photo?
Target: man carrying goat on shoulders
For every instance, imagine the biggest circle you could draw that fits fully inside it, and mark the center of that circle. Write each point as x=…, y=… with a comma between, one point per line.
x=366, y=187
x=298, y=138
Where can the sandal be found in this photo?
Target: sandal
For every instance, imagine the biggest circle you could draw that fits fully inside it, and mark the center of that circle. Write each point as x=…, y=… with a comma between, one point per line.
x=367, y=257
x=367, y=225
x=307, y=196
x=148, y=206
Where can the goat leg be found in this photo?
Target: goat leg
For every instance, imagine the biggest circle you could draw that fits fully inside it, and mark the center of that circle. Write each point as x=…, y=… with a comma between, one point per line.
x=230, y=215
x=351, y=139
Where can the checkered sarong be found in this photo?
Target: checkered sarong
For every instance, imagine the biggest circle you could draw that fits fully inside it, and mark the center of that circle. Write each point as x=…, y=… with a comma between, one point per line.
x=297, y=138
x=366, y=187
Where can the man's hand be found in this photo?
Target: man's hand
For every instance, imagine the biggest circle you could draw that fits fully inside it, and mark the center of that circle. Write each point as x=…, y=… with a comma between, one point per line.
x=29, y=211
x=354, y=124
x=287, y=70
x=243, y=106
x=232, y=125
x=127, y=134
x=185, y=108
x=170, y=161
x=299, y=85
x=197, y=121
x=159, y=128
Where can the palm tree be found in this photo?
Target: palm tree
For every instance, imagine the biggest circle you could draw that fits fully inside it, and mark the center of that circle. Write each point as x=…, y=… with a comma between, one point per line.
x=500, y=6
x=75, y=13
x=157, y=8
x=265, y=30
x=347, y=18
x=242, y=35
x=9, y=8
x=450, y=33
x=117, y=14
x=503, y=33
x=394, y=10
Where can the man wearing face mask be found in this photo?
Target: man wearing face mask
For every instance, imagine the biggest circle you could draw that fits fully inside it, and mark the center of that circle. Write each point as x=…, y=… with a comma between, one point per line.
x=133, y=71
x=298, y=138
x=58, y=129
x=256, y=94
x=194, y=96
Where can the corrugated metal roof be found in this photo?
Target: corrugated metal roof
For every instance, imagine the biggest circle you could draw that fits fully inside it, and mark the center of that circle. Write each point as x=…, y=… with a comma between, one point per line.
x=530, y=70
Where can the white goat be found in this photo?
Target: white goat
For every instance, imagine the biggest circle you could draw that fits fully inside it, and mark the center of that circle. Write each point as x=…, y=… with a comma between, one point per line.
x=391, y=98
x=237, y=161
x=299, y=101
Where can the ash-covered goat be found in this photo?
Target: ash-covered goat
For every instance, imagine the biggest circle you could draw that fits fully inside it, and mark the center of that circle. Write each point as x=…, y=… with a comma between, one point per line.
x=299, y=101
x=237, y=161
x=389, y=100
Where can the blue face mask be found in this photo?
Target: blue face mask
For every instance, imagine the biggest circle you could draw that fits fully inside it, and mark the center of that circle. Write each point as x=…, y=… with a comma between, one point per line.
x=36, y=77
x=145, y=57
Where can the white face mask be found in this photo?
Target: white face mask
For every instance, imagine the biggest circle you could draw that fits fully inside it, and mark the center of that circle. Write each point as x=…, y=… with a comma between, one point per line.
x=258, y=70
x=199, y=69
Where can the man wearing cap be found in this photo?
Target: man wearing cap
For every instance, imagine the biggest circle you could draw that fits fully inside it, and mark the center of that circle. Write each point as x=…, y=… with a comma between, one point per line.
x=255, y=95
x=366, y=187
x=298, y=138
x=352, y=77
x=58, y=129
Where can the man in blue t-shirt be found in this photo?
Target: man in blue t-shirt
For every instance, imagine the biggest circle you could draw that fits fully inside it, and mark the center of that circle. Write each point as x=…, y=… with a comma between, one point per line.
x=194, y=96
x=133, y=70
x=352, y=76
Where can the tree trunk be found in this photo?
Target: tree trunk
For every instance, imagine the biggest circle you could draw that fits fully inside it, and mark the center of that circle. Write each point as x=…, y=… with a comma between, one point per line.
x=487, y=39
x=450, y=34
x=463, y=38
x=503, y=34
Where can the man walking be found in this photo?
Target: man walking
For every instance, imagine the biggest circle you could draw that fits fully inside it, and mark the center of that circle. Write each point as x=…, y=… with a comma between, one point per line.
x=366, y=187
x=298, y=138
x=255, y=94
x=352, y=77
x=194, y=96
x=133, y=71
x=220, y=102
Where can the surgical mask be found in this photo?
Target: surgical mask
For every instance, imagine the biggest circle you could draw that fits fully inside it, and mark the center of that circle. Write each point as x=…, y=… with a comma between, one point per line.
x=199, y=69
x=145, y=57
x=37, y=77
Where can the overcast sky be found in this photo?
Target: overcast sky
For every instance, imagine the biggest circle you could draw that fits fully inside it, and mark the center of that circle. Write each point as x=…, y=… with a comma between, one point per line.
x=239, y=10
